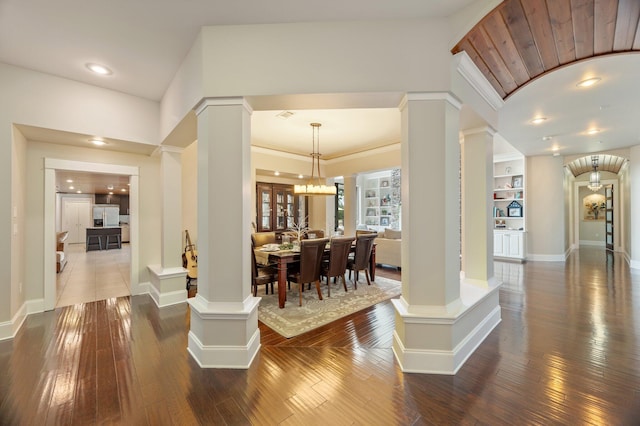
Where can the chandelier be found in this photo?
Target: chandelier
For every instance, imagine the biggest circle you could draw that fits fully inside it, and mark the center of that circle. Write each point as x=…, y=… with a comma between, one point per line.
x=314, y=186
x=594, y=177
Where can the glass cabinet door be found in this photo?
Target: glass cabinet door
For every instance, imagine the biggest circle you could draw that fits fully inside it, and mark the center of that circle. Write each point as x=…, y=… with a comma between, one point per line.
x=264, y=208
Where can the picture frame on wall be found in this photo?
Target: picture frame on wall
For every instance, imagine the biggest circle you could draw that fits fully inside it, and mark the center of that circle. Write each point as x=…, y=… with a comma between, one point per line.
x=384, y=183
x=516, y=181
x=384, y=221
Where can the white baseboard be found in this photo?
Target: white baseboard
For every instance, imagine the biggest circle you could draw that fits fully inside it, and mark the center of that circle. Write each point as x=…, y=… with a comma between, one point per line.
x=219, y=356
x=548, y=257
x=167, y=299
x=8, y=329
x=592, y=243
x=446, y=362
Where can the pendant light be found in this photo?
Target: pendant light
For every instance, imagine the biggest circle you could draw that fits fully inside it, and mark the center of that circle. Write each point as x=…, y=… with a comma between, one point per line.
x=594, y=177
x=315, y=186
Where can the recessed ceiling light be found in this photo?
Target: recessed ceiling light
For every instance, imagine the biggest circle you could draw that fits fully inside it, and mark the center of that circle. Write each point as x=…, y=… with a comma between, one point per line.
x=99, y=69
x=546, y=138
x=69, y=180
x=588, y=82
x=556, y=154
x=79, y=192
x=110, y=192
x=277, y=173
x=300, y=176
x=593, y=131
x=72, y=187
x=97, y=142
x=538, y=120
x=555, y=148
x=123, y=190
x=109, y=187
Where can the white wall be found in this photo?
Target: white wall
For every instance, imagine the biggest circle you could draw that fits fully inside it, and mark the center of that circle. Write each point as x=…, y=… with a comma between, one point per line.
x=190, y=191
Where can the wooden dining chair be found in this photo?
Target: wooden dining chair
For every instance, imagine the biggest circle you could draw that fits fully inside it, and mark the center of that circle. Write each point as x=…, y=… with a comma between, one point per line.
x=262, y=275
x=308, y=271
x=360, y=261
x=336, y=266
x=258, y=239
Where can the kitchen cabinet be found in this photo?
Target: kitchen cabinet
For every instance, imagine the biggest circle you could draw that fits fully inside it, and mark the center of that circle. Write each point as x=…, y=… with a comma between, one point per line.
x=125, y=232
x=122, y=200
x=278, y=207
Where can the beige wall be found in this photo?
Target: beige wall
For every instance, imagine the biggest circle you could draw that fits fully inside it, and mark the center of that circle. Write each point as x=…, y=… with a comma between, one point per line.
x=190, y=191
x=18, y=210
x=545, y=208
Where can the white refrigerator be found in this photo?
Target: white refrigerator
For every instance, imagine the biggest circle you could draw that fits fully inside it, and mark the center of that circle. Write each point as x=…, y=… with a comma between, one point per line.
x=108, y=214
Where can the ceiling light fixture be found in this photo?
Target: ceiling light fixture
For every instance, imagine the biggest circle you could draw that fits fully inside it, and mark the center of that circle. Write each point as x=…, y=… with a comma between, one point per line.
x=79, y=192
x=123, y=190
x=588, y=82
x=277, y=173
x=97, y=142
x=314, y=185
x=99, y=69
x=594, y=177
x=538, y=120
x=593, y=131
x=110, y=187
x=72, y=187
x=69, y=180
x=284, y=115
x=300, y=176
x=547, y=138
x=110, y=192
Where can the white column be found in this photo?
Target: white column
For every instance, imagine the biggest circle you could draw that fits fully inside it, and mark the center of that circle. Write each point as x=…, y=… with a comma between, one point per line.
x=350, y=205
x=477, y=192
x=169, y=277
x=439, y=322
x=224, y=315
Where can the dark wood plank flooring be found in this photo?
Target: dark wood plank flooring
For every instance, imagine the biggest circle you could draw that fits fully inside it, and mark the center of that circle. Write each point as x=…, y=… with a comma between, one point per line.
x=566, y=352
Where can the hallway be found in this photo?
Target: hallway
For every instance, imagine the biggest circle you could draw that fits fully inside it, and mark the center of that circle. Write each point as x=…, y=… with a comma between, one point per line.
x=94, y=275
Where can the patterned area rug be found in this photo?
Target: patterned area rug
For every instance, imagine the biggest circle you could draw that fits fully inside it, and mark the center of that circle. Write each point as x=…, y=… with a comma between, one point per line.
x=294, y=320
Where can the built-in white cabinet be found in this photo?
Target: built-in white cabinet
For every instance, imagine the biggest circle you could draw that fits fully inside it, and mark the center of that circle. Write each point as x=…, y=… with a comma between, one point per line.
x=509, y=207
x=509, y=244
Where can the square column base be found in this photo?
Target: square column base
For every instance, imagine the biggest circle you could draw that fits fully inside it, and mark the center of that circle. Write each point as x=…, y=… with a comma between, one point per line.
x=434, y=341
x=224, y=334
x=168, y=285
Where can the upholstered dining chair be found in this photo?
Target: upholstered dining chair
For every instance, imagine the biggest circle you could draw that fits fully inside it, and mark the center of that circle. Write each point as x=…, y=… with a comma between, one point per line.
x=319, y=233
x=336, y=267
x=259, y=239
x=311, y=252
x=360, y=261
x=262, y=275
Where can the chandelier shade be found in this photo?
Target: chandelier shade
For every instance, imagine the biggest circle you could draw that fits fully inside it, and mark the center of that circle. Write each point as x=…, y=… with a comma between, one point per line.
x=594, y=176
x=314, y=185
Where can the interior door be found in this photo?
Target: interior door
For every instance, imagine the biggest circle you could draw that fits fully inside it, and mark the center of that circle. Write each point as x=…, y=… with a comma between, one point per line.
x=76, y=219
x=608, y=193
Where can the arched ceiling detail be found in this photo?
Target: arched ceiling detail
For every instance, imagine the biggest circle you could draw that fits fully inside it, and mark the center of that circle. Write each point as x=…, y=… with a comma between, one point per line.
x=606, y=163
x=521, y=40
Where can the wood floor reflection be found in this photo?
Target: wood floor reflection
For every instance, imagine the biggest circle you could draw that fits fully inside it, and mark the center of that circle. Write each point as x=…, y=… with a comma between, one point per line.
x=567, y=352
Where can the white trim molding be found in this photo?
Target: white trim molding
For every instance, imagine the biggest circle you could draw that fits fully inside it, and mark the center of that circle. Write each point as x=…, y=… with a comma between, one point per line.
x=224, y=334
x=167, y=286
x=470, y=72
x=229, y=101
x=454, y=335
x=430, y=96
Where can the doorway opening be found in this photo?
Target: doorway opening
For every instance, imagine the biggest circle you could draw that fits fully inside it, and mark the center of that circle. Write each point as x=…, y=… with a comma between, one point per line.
x=49, y=267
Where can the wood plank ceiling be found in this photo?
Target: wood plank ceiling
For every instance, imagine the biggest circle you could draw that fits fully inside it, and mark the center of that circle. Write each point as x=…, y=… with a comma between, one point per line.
x=521, y=40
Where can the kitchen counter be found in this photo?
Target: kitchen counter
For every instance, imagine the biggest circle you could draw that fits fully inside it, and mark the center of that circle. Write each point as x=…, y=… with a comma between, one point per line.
x=103, y=238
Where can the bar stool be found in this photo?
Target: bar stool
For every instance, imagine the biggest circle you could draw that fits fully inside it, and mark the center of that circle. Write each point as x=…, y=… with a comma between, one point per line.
x=91, y=241
x=113, y=239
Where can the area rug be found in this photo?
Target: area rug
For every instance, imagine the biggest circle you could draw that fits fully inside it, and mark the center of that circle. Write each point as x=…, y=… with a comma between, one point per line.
x=294, y=320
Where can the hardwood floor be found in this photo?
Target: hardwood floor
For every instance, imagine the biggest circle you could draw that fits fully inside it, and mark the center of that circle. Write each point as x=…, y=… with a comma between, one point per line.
x=567, y=352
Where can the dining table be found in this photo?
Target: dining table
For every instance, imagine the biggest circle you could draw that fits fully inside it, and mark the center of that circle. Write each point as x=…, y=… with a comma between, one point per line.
x=282, y=258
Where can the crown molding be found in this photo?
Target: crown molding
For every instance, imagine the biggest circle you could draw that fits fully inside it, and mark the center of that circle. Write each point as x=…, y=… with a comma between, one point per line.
x=470, y=72
x=166, y=148
x=230, y=101
x=430, y=96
